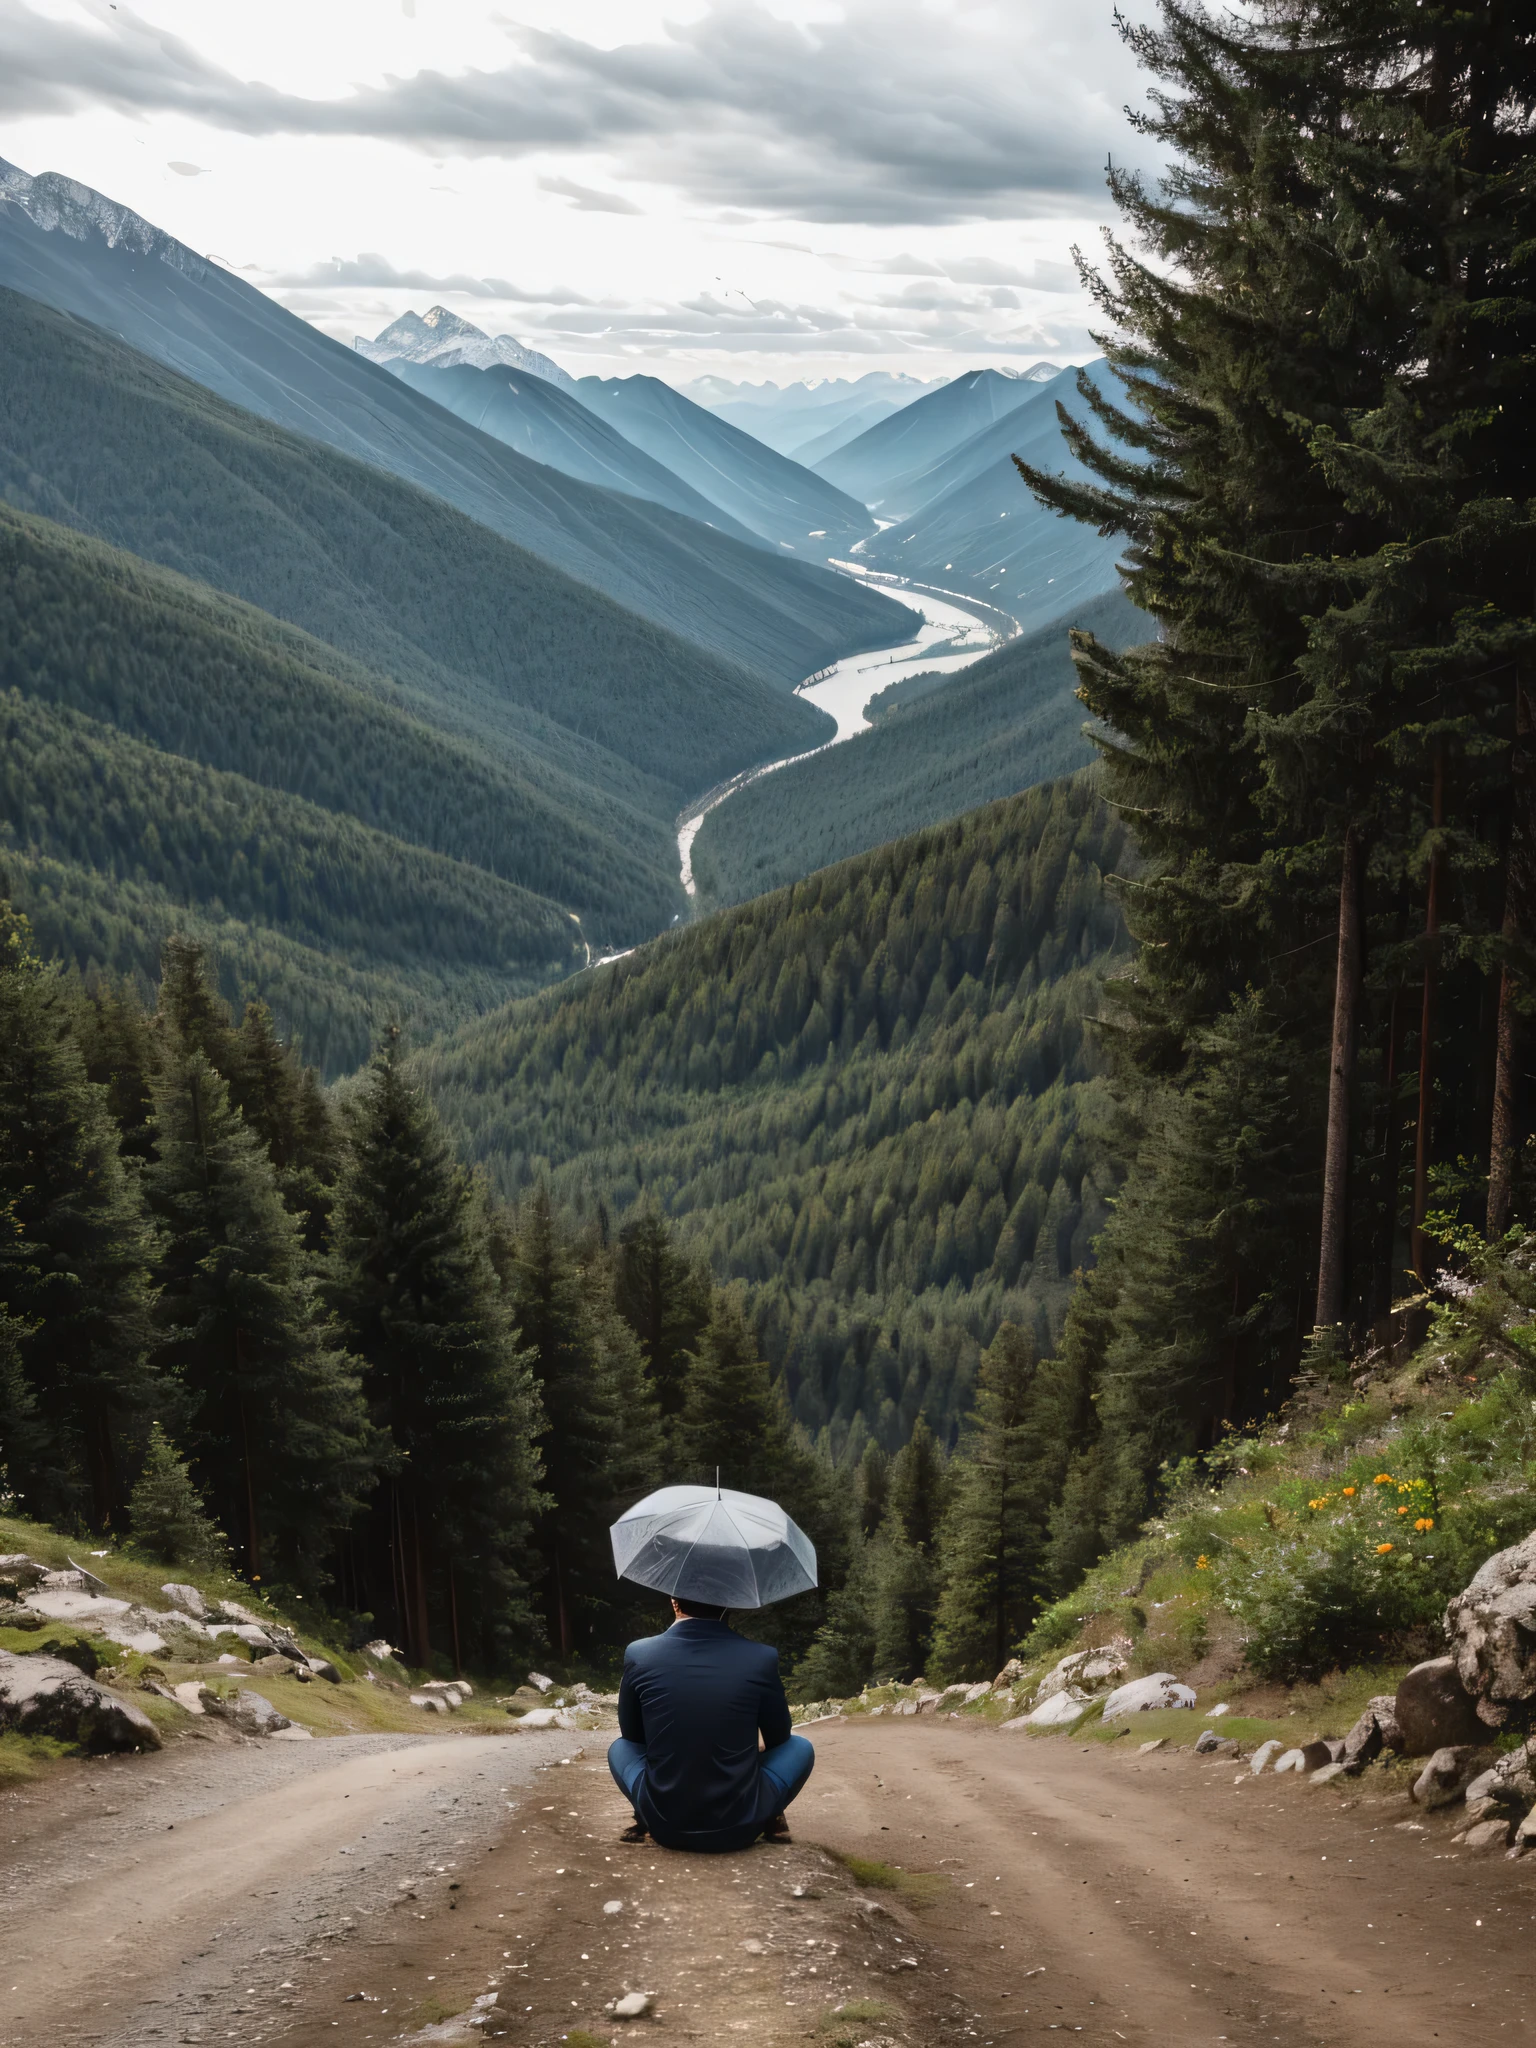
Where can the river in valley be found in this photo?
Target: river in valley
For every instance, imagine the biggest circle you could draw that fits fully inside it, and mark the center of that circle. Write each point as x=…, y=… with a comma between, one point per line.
x=955, y=632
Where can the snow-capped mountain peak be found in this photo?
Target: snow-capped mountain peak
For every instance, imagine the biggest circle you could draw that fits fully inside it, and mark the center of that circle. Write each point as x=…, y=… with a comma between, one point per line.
x=444, y=340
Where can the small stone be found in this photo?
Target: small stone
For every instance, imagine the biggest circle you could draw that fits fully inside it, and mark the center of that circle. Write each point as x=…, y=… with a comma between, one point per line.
x=1326, y=1774
x=1265, y=1755
x=1209, y=1743
x=1151, y=1748
x=1487, y=1836
x=250, y=1712
x=613, y=1905
x=1290, y=1760
x=634, y=2005
x=1212, y=1713
x=540, y=1683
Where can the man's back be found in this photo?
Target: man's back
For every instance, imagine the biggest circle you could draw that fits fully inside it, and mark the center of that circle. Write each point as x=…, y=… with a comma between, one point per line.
x=695, y=1699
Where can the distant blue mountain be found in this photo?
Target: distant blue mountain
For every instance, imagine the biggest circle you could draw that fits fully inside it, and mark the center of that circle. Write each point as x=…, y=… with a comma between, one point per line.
x=786, y=505
x=923, y=433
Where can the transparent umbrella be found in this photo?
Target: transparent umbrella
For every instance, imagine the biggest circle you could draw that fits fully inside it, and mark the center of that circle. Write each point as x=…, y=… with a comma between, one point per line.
x=710, y=1544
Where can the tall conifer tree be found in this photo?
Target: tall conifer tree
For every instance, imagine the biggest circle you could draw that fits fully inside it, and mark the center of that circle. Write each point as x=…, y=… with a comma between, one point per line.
x=447, y=1542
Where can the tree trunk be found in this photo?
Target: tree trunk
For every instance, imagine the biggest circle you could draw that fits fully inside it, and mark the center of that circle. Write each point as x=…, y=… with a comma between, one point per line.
x=1420, y=1244
x=252, y=1527
x=453, y=1610
x=1334, y=1239
x=1504, y=1134
x=420, y=1626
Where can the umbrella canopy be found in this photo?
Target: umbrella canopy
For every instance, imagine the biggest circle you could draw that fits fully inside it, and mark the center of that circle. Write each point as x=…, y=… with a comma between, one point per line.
x=709, y=1544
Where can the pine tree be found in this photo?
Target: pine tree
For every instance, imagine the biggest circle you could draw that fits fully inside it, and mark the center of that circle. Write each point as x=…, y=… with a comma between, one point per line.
x=872, y=1487
x=190, y=1014
x=275, y=1424
x=165, y=1510
x=905, y=1564
x=446, y=1545
x=283, y=1102
x=579, y=1363
x=74, y=1255
x=666, y=1302
x=994, y=1535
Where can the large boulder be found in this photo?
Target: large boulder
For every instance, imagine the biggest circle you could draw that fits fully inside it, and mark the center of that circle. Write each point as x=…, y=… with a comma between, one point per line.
x=1085, y=1673
x=1146, y=1695
x=1434, y=1710
x=250, y=1712
x=20, y=1572
x=1445, y=1778
x=1491, y=1628
x=1377, y=1729
x=188, y=1599
x=1511, y=1782
x=48, y=1696
x=1059, y=1711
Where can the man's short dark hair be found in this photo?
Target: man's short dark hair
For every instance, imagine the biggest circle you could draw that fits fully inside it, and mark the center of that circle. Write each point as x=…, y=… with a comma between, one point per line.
x=700, y=1610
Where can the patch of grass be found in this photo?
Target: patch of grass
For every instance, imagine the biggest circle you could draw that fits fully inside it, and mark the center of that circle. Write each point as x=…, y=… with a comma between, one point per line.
x=917, y=1887
x=870, y=2009
x=580, y=2038
x=24, y=1756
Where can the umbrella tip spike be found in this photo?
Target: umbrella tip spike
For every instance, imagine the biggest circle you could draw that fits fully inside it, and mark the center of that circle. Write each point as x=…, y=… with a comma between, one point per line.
x=717, y=1482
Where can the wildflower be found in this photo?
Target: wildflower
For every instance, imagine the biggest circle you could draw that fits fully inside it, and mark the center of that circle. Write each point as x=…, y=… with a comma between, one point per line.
x=1382, y=1479
x=1424, y=1524
x=1318, y=1503
x=1383, y=1548
x=1202, y=1564
x=1404, y=1511
x=1406, y=1485
x=1349, y=1493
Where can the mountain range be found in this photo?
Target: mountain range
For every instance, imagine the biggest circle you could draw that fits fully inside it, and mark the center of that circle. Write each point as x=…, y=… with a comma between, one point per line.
x=789, y=417
x=879, y=461
x=446, y=341
x=81, y=253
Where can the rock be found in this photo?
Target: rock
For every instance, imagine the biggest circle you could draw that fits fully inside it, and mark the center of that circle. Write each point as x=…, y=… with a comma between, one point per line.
x=249, y=1632
x=1059, y=1711
x=1525, y=1834
x=1214, y=1713
x=613, y=1905
x=1511, y=1782
x=1326, y=1774
x=1150, y=1748
x=634, y=2005
x=1445, y=1777
x=548, y=1717
x=1320, y=1752
x=1375, y=1731
x=540, y=1683
x=976, y=1692
x=526, y=1696
x=1010, y=1674
x=188, y=1599
x=430, y=1702
x=190, y=1694
x=1491, y=1628
x=248, y=1711
x=73, y=1603
x=322, y=1667
x=14, y=1615
x=927, y=1702
x=1085, y=1673
x=1145, y=1695
x=1290, y=1760
x=278, y=1665
x=1209, y=1743
x=22, y=1572
x=1434, y=1710
x=378, y=1650
x=47, y=1696
x=289, y=1734
x=1487, y=1835
x=1265, y=1755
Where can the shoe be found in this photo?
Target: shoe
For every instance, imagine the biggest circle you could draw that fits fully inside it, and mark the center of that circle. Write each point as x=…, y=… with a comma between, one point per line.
x=777, y=1830
x=633, y=1833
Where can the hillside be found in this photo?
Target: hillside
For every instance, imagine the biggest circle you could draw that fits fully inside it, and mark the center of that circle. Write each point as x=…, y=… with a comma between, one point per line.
x=552, y=426
x=109, y=846
x=967, y=521
x=80, y=253
x=787, y=416
x=777, y=499
x=922, y=433
x=560, y=683
x=864, y=1096
x=946, y=743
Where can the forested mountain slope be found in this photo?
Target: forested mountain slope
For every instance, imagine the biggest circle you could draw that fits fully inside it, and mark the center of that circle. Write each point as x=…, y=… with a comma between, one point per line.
x=553, y=426
x=483, y=635
x=75, y=250
x=866, y=1096
x=784, y=503
x=109, y=846
x=1005, y=723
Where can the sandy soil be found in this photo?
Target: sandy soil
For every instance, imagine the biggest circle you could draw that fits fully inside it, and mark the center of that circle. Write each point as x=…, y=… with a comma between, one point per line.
x=1164, y=1899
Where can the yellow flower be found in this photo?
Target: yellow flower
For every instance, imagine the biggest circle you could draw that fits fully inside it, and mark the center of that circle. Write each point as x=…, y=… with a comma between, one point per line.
x=1424, y=1522
x=1349, y=1493
x=1405, y=1486
x=1318, y=1503
x=1202, y=1564
x=1383, y=1548
x=1382, y=1479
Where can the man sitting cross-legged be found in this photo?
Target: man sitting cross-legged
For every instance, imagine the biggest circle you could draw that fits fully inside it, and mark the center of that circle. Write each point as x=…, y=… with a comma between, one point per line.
x=691, y=1705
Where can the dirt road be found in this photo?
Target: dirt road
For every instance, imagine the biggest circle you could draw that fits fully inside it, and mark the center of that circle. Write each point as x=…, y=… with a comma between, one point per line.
x=1164, y=1899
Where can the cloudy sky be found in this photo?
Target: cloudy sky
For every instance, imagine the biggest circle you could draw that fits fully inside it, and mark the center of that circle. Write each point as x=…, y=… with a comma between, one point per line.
x=749, y=188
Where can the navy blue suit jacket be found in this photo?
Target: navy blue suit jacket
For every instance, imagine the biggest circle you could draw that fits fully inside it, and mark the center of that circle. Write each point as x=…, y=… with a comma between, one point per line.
x=695, y=1699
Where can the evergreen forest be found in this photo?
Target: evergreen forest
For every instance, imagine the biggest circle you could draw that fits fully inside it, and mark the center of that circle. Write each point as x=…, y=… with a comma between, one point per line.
x=1014, y=1135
